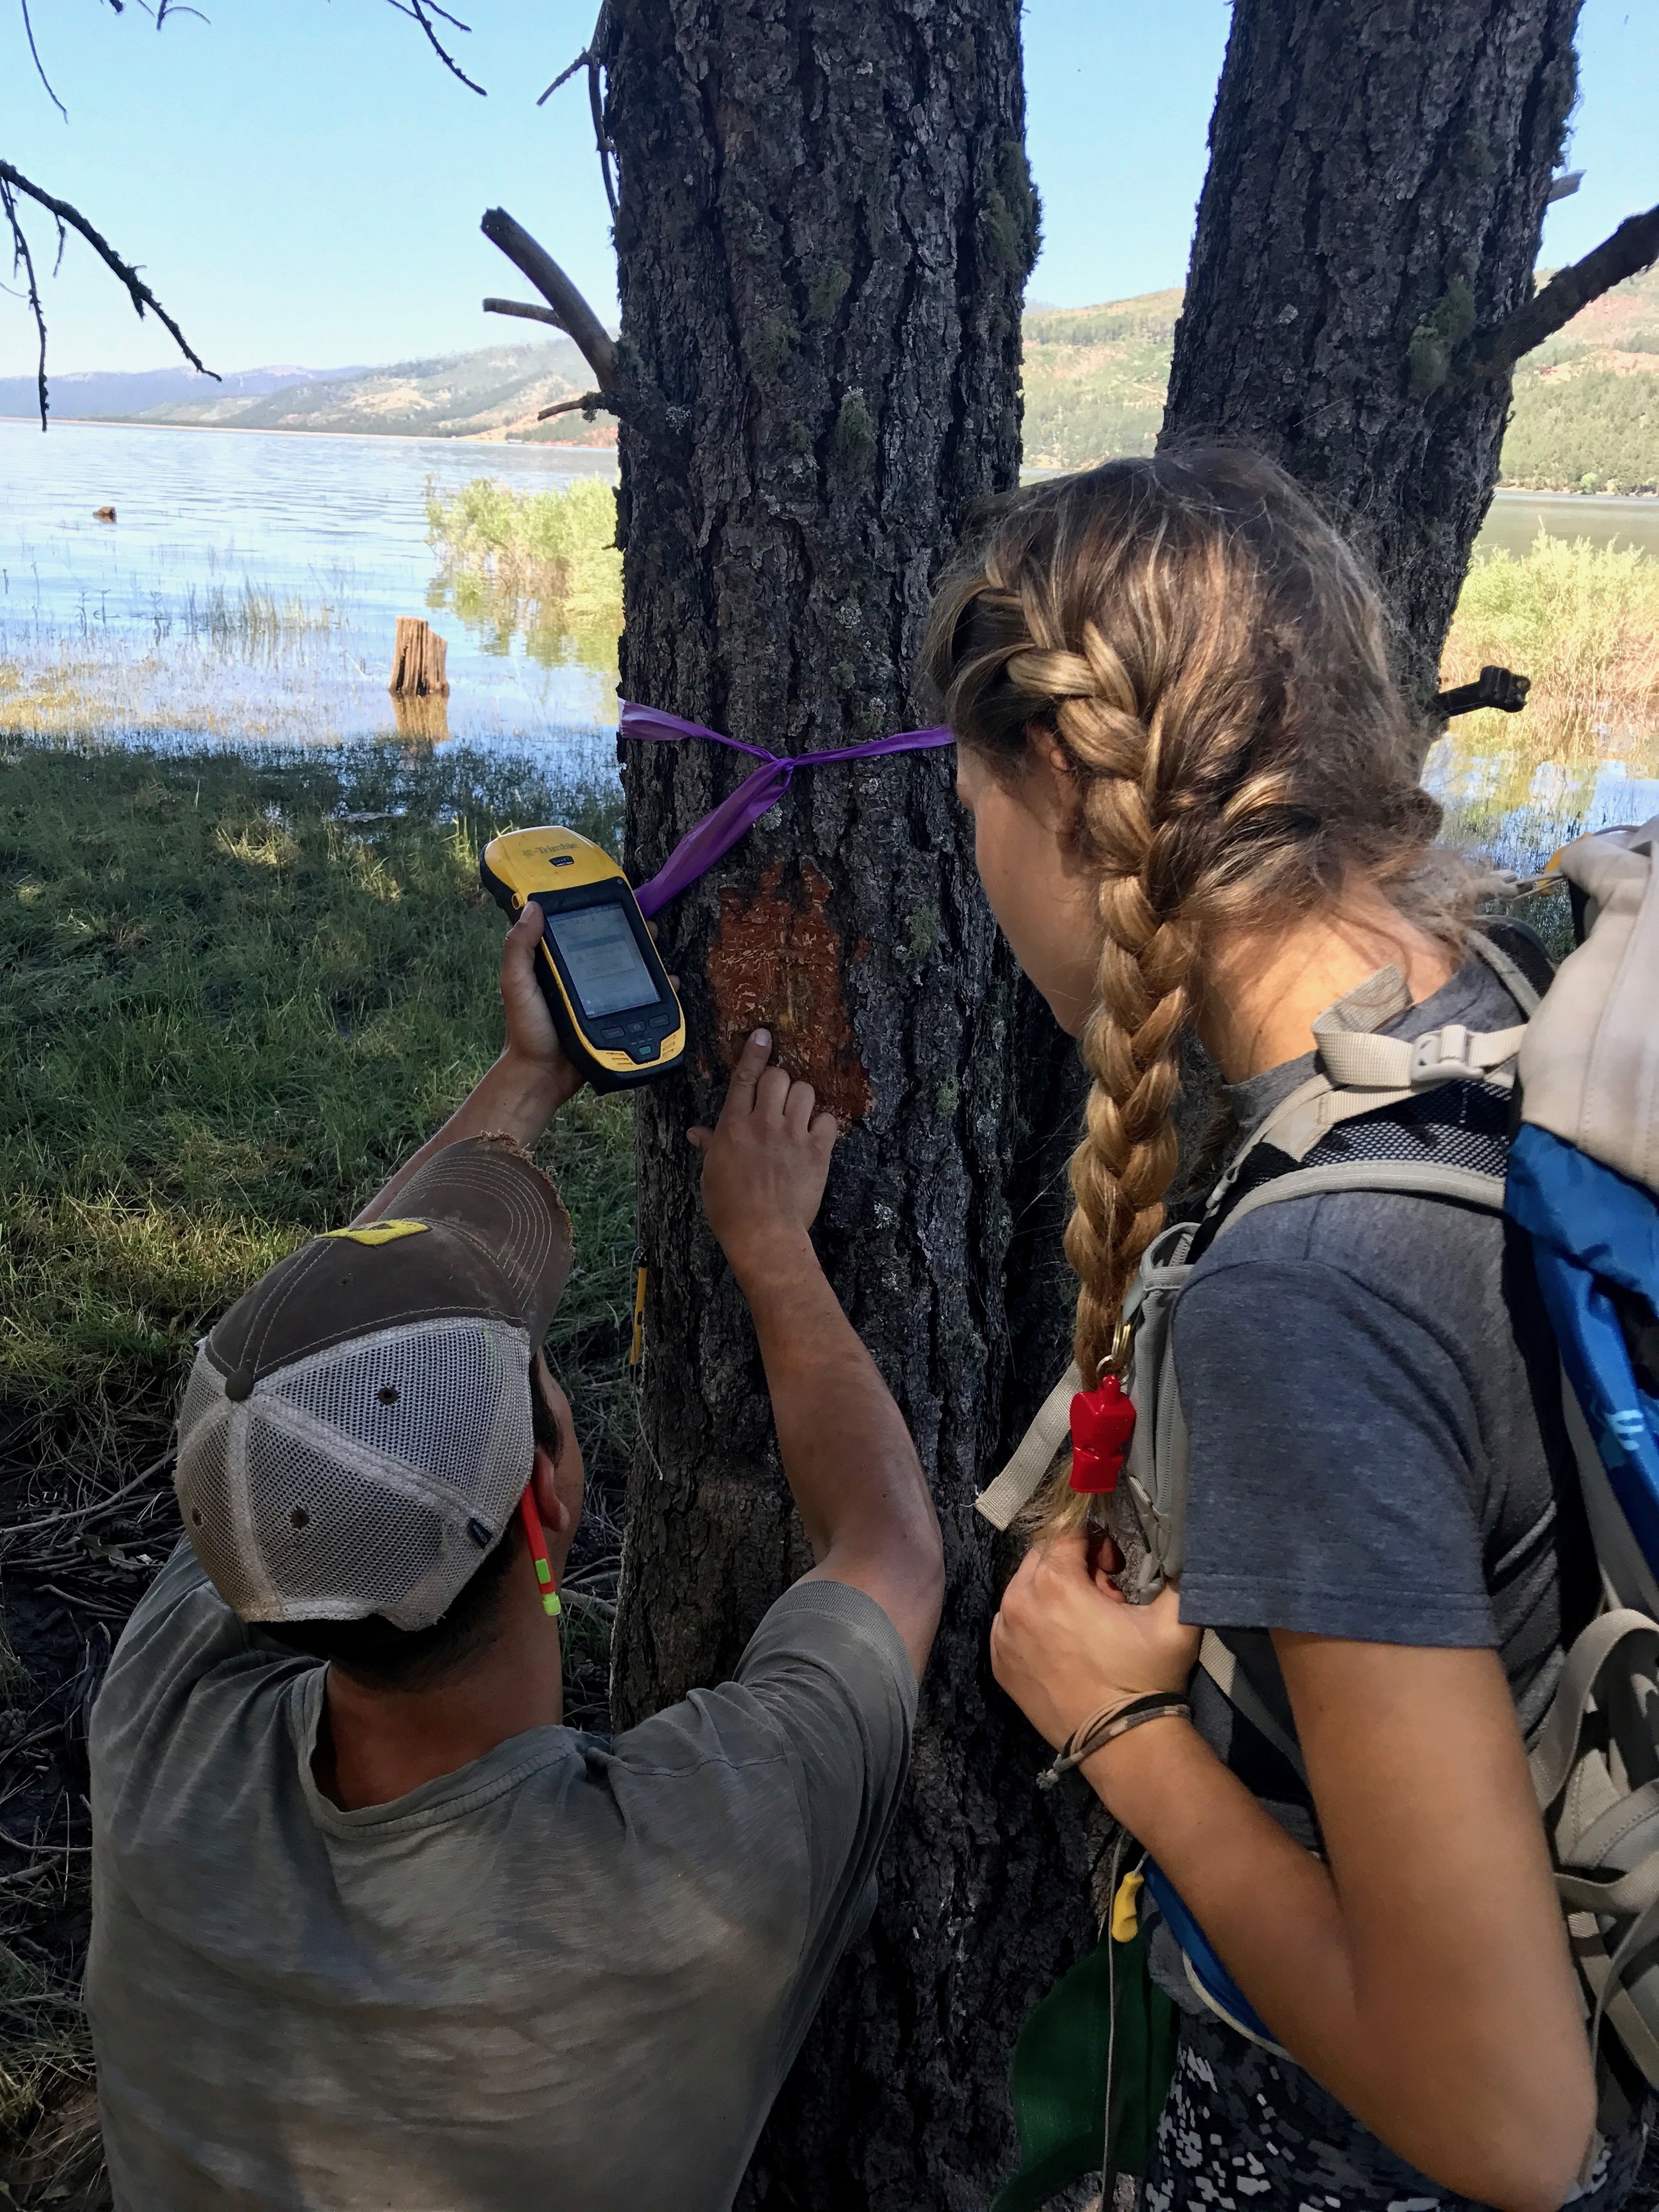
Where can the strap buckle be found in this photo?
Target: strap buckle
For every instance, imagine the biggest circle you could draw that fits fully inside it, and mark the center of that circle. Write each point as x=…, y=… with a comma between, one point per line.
x=1439, y=1055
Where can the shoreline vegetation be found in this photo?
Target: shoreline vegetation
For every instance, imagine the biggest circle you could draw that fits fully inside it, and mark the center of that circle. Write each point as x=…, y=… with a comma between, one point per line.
x=542, y=564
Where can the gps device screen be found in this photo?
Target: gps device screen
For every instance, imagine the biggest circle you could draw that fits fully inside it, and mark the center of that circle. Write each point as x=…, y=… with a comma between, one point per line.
x=605, y=964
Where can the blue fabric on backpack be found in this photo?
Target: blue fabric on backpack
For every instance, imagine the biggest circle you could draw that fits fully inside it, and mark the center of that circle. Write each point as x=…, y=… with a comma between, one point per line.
x=1591, y=1227
x=1216, y=1983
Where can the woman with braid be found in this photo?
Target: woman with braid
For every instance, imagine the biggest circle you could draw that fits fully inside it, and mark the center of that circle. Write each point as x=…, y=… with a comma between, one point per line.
x=1194, y=790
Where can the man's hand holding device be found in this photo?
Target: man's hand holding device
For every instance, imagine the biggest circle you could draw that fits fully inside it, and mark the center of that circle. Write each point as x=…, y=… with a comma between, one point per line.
x=610, y=996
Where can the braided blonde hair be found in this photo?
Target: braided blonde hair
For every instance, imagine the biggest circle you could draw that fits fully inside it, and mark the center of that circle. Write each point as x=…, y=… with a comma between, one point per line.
x=1210, y=657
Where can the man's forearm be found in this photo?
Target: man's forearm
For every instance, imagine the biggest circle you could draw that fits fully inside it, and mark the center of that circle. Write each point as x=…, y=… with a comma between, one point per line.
x=516, y=1097
x=849, y=1457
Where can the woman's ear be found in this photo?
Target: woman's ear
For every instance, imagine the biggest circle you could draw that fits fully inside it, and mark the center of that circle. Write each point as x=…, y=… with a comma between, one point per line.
x=1051, y=789
x=1043, y=745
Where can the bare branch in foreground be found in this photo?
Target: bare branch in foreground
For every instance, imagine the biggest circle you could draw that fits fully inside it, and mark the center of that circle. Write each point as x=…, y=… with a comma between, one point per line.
x=592, y=59
x=583, y=60
x=39, y=66
x=588, y=403
x=571, y=311
x=137, y=291
x=417, y=11
x=21, y=258
x=1633, y=247
x=531, y=313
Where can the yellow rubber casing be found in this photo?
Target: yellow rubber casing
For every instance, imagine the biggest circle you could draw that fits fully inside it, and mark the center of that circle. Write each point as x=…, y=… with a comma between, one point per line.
x=616, y=1011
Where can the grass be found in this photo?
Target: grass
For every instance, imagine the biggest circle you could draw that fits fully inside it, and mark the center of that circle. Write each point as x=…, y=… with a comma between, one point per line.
x=241, y=987
x=544, y=563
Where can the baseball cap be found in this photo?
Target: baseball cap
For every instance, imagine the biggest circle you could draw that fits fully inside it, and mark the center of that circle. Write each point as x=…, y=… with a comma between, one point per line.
x=356, y=1433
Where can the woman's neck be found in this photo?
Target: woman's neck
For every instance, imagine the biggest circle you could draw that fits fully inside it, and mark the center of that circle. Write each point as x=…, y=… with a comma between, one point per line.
x=1265, y=987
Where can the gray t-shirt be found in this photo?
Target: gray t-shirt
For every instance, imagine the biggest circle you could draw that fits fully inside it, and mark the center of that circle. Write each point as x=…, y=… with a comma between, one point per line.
x=565, y=1974
x=1377, y=1446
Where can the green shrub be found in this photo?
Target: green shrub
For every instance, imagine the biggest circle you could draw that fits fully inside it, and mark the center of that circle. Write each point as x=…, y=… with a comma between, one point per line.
x=543, y=562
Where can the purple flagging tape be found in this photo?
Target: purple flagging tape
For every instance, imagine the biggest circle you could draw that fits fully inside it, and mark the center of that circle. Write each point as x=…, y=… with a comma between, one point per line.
x=716, y=834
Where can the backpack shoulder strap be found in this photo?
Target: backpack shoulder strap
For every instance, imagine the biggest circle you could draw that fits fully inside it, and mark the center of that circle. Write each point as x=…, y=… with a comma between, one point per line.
x=1412, y=1178
x=1222, y=1667
x=1017, y=1485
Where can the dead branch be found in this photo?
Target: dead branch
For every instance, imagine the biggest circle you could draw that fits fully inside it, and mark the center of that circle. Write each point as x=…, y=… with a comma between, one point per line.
x=524, y=308
x=588, y=403
x=571, y=311
x=137, y=291
x=592, y=59
x=39, y=66
x=22, y=256
x=417, y=11
x=1633, y=247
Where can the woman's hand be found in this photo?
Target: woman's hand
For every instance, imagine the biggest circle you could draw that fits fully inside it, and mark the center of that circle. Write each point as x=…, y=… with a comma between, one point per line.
x=532, y=1044
x=1066, y=1642
x=764, y=1166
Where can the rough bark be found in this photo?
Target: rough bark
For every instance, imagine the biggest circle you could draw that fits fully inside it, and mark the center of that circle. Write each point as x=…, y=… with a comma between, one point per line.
x=1376, y=194
x=824, y=224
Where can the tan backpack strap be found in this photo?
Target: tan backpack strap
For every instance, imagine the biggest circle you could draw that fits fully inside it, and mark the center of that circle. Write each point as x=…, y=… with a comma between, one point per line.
x=1557, y=1743
x=1022, y=1478
x=1410, y=1178
x=1508, y=972
x=1454, y=1052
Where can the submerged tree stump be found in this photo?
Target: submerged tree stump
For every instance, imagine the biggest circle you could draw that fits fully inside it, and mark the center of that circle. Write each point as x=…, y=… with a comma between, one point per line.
x=417, y=661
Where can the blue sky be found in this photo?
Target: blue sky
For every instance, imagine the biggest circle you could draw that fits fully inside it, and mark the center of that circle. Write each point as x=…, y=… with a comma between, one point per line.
x=303, y=182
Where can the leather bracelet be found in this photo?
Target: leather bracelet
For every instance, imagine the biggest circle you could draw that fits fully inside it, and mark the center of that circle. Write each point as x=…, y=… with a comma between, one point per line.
x=1109, y=1723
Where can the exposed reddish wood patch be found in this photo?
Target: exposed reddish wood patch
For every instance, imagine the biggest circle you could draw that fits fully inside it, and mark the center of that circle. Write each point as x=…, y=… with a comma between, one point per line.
x=775, y=964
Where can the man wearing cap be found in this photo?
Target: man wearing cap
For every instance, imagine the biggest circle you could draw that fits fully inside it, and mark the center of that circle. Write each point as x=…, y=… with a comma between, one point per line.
x=370, y=1928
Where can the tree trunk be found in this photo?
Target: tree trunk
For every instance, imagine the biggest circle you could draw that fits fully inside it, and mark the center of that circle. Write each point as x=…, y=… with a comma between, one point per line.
x=825, y=226
x=1374, y=204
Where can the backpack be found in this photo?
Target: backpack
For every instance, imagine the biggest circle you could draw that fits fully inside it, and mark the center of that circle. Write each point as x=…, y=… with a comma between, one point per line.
x=1555, y=1123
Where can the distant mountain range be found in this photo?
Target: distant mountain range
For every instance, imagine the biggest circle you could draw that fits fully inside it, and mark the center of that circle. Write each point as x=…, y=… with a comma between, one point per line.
x=1586, y=406
x=492, y=393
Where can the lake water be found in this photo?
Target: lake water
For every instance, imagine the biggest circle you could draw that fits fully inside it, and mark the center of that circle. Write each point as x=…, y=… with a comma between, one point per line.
x=250, y=585
x=251, y=582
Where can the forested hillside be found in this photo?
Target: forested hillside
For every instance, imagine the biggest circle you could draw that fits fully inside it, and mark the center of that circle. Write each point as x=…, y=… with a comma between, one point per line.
x=1586, y=406
x=1094, y=379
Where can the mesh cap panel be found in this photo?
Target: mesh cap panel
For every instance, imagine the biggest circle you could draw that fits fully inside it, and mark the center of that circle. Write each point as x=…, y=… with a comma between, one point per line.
x=369, y=1478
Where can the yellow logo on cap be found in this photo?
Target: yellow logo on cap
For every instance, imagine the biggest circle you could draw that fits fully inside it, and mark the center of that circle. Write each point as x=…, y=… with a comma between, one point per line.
x=381, y=1232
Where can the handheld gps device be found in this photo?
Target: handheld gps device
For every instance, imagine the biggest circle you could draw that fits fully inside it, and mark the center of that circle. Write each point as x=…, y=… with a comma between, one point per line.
x=608, y=992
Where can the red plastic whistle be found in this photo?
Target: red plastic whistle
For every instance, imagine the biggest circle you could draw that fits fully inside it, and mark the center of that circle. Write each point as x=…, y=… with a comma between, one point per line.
x=1102, y=1422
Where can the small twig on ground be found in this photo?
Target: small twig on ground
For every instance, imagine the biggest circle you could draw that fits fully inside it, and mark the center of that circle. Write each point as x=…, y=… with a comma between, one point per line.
x=98, y=1506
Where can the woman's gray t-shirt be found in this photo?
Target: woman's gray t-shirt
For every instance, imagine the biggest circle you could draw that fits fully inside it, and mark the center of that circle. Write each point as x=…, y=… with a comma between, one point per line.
x=1371, y=1395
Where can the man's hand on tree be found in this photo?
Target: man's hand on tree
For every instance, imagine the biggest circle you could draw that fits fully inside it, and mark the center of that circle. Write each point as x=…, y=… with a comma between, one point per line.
x=764, y=1166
